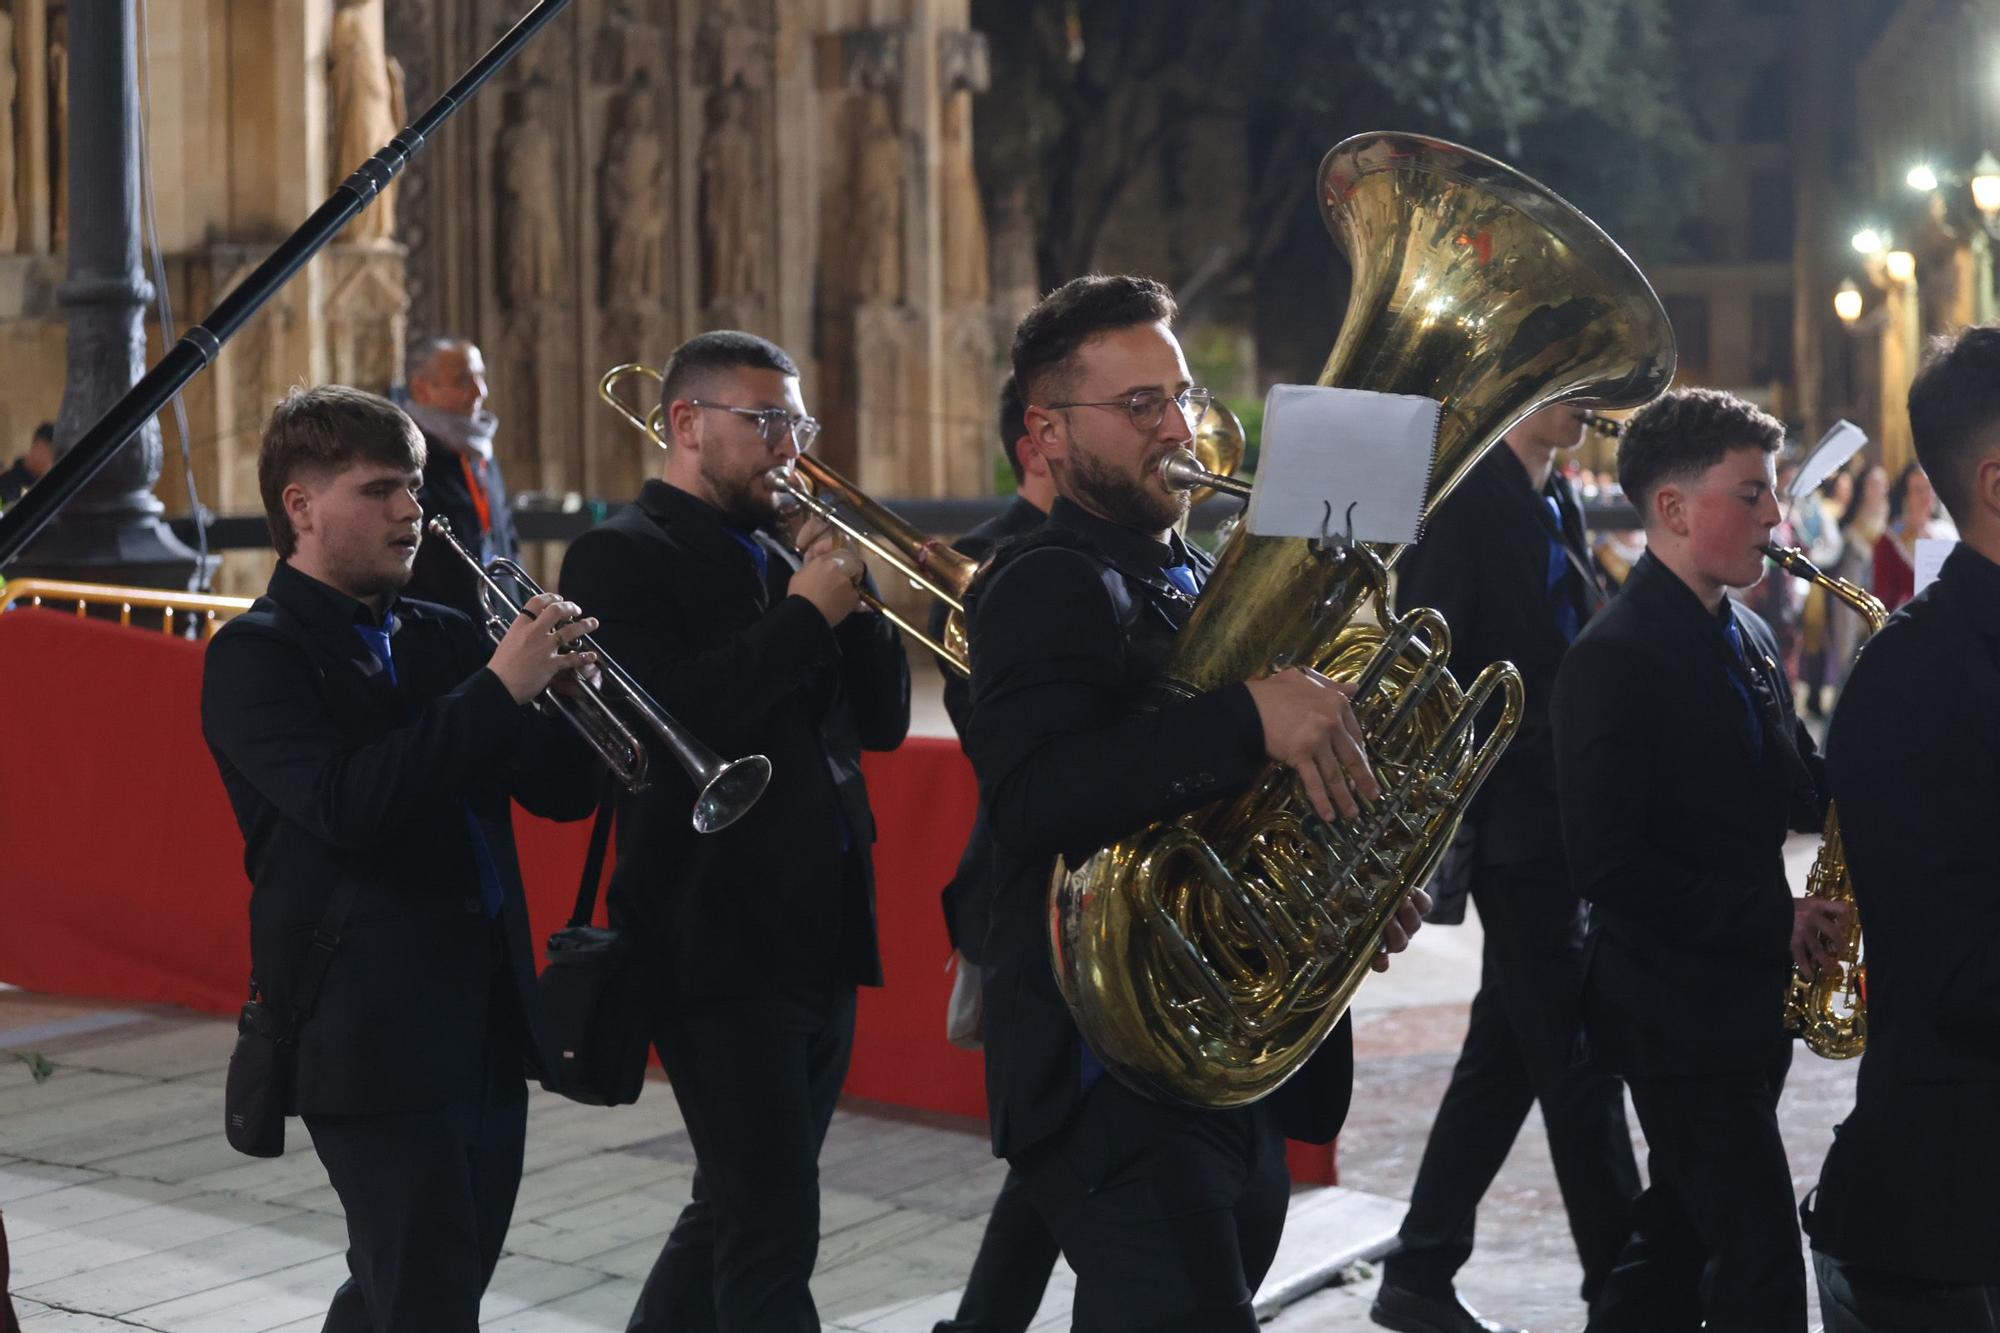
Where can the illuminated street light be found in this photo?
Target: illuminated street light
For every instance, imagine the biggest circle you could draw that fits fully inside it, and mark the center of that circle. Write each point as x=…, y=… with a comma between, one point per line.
x=1870, y=242
x=1847, y=301
x=1900, y=265
x=1986, y=184
x=1922, y=179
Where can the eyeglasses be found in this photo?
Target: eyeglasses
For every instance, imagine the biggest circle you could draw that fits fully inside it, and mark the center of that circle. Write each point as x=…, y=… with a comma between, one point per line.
x=1147, y=407
x=773, y=423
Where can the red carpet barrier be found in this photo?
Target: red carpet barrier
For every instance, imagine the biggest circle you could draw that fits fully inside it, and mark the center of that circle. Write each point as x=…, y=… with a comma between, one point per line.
x=121, y=869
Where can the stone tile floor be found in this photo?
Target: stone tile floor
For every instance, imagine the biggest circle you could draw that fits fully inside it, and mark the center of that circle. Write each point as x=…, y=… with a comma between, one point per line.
x=127, y=1210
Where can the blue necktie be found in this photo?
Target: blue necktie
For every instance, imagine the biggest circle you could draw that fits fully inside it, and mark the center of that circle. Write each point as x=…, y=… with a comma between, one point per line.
x=377, y=639
x=757, y=552
x=1735, y=637
x=1182, y=577
x=1564, y=606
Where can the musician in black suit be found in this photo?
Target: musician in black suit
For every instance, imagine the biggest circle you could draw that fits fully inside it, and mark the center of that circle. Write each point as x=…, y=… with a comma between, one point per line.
x=463, y=483
x=1681, y=766
x=1017, y=1252
x=370, y=748
x=1170, y=1216
x=1504, y=559
x=760, y=933
x=1906, y=1223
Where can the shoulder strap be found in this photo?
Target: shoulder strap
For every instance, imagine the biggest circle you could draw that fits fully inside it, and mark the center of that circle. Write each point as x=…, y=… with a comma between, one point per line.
x=593, y=862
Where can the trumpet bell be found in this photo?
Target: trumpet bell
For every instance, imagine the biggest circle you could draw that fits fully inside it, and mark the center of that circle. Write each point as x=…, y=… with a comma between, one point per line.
x=731, y=792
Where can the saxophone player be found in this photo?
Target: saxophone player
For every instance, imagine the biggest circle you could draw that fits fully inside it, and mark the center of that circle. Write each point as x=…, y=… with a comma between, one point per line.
x=1905, y=1225
x=1694, y=931
x=1170, y=1216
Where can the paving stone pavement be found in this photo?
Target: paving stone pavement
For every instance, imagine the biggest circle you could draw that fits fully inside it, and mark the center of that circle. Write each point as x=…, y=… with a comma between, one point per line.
x=127, y=1210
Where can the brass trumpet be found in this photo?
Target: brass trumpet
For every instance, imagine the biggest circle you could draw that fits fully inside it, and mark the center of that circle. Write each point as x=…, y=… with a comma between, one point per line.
x=811, y=485
x=727, y=789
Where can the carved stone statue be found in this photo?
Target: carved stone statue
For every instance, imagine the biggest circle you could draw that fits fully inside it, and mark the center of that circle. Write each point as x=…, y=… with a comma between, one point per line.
x=967, y=277
x=732, y=220
x=59, y=100
x=10, y=211
x=528, y=181
x=730, y=51
x=366, y=110
x=875, y=216
x=632, y=194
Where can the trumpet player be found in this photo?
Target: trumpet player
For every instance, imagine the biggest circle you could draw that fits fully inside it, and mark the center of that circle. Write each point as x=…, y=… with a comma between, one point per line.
x=370, y=746
x=1170, y=1216
x=1905, y=1226
x=1693, y=930
x=760, y=933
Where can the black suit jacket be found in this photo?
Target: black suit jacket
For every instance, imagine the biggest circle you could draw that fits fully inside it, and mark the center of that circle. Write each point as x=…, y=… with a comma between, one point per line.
x=1676, y=831
x=1484, y=563
x=1070, y=630
x=773, y=898
x=968, y=898
x=340, y=778
x=1912, y=1185
x=440, y=576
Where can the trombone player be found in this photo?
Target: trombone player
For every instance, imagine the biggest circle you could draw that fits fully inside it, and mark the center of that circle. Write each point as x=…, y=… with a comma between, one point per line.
x=370, y=746
x=1170, y=1216
x=761, y=932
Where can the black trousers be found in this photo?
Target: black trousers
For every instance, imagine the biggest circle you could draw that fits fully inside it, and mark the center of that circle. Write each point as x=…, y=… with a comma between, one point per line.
x=756, y=1079
x=1169, y=1216
x=1716, y=1234
x=428, y=1194
x=1863, y=1300
x=1011, y=1271
x=1517, y=1052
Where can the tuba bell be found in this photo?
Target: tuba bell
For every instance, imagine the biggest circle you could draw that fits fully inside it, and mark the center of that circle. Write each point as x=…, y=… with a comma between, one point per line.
x=1829, y=1010
x=1205, y=958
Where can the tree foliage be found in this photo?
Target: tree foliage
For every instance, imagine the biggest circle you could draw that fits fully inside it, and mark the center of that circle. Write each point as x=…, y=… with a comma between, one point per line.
x=1209, y=119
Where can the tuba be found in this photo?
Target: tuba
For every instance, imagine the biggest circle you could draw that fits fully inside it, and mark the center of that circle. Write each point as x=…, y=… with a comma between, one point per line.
x=1829, y=1011
x=1205, y=958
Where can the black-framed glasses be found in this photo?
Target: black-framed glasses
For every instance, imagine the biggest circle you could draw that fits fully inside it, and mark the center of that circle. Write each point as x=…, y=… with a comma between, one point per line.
x=1147, y=407
x=773, y=423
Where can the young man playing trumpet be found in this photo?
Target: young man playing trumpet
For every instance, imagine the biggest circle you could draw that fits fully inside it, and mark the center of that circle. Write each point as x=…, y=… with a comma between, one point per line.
x=759, y=933
x=1675, y=689
x=370, y=747
x=1906, y=1223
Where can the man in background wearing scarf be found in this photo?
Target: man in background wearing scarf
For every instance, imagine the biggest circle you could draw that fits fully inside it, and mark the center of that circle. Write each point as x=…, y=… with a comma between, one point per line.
x=446, y=397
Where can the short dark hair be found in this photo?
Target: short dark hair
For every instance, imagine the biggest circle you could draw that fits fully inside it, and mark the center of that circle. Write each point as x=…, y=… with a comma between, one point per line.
x=1955, y=415
x=1013, y=425
x=327, y=430
x=1685, y=432
x=45, y=431
x=719, y=349
x=1046, y=342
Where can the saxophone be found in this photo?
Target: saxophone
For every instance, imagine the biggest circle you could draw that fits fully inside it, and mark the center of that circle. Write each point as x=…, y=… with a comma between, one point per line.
x=1830, y=1010
x=1206, y=958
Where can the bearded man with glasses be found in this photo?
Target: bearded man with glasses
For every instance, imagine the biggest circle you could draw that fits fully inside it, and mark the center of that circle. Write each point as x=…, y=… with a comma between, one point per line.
x=759, y=934
x=1170, y=1215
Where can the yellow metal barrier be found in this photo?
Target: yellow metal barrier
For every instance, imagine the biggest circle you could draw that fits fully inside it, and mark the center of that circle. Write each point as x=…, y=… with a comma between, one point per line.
x=209, y=611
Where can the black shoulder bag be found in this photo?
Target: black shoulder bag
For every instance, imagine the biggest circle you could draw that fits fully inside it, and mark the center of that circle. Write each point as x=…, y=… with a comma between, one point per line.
x=594, y=997
x=258, y=1094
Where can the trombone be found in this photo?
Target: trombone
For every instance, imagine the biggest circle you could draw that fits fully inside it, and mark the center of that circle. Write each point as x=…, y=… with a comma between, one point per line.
x=806, y=483
x=727, y=789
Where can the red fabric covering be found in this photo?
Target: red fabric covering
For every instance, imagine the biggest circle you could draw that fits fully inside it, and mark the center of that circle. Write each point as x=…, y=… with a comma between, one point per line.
x=121, y=868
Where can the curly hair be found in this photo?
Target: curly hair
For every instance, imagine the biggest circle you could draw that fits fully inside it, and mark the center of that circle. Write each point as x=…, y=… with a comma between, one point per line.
x=1685, y=432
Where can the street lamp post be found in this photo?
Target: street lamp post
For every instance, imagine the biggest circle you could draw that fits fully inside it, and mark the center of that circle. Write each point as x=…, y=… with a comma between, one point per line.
x=114, y=531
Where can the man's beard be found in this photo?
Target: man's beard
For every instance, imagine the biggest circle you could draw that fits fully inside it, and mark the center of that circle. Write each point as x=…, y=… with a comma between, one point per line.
x=1127, y=502
x=742, y=500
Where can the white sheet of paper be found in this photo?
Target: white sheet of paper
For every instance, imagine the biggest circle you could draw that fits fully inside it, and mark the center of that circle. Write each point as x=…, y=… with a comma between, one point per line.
x=1830, y=455
x=1326, y=449
x=1931, y=554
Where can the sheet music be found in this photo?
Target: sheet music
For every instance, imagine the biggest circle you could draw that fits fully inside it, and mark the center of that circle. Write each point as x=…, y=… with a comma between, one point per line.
x=1326, y=449
x=1931, y=555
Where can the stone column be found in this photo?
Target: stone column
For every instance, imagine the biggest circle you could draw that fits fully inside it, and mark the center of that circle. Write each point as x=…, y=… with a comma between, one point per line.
x=113, y=531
